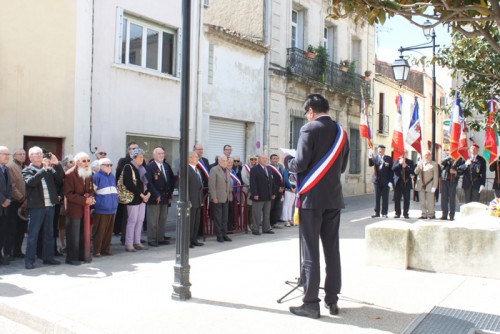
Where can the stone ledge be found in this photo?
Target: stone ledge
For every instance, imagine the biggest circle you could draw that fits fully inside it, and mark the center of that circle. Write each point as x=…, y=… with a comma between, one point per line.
x=466, y=247
x=387, y=244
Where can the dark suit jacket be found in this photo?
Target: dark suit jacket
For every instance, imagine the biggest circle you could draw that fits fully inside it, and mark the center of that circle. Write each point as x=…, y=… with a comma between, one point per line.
x=316, y=139
x=384, y=173
x=5, y=190
x=261, y=185
x=157, y=185
x=494, y=168
x=195, y=188
x=474, y=174
x=408, y=172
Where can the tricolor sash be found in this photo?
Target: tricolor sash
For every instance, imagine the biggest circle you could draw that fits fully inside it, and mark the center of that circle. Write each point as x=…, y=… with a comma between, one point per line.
x=319, y=170
x=203, y=168
x=247, y=167
x=276, y=171
x=234, y=177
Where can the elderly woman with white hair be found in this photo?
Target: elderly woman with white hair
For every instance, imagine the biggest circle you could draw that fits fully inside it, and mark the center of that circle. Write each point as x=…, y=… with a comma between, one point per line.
x=134, y=179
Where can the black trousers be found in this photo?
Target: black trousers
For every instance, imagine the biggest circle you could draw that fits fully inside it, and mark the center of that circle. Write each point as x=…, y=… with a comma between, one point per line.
x=194, y=220
x=11, y=233
x=219, y=214
x=3, y=229
x=448, y=198
x=471, y=194
x=381, y=193
x=324, y=224
x=402, y=190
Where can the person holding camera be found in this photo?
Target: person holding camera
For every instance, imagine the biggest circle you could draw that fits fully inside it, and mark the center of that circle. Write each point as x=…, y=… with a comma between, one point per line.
x=42, y=177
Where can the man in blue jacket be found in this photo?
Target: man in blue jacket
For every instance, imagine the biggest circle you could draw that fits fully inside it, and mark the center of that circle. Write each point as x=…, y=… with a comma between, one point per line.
x=106, y=203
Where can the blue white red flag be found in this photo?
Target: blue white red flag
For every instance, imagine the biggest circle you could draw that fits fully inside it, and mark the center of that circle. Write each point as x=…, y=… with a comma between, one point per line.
x=414, y=134
x=397, y=136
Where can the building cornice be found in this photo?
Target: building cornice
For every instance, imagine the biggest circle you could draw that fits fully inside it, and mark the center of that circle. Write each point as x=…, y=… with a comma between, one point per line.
x=236, y=38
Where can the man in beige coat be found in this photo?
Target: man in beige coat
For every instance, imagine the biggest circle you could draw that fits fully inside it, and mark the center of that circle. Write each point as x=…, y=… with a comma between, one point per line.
x=427, y=183
x=219, y=187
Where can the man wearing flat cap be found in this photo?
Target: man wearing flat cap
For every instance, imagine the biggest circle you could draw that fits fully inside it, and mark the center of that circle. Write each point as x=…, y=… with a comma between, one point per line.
x=381, y=179
x=474, y=175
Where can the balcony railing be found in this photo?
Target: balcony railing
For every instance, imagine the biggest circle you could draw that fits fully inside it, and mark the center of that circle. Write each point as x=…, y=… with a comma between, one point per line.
x=328, y=74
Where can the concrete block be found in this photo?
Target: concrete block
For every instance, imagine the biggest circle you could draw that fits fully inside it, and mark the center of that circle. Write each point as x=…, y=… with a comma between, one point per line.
x=472, y=209
x=387, y=244
x=466, y=247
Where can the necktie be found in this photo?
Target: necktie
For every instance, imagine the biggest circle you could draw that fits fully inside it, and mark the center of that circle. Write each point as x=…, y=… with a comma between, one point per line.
x=5, y=174
x=199, y=175
x=162, y=171
x=265, y=170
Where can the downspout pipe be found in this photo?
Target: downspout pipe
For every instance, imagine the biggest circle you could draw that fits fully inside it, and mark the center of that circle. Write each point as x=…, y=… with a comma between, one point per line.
x=266, y=33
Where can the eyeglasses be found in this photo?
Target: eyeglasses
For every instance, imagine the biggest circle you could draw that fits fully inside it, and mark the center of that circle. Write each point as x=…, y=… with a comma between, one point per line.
x=236, y=161
x=102, y=153
x=253, y=159
x=85, y=160
x=107, y=165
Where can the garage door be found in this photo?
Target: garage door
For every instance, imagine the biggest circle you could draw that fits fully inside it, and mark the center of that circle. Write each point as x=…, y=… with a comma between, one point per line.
x=225, y=132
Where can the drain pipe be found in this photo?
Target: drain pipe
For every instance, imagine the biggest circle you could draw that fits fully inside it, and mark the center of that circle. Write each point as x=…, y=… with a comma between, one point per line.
x=267, y=21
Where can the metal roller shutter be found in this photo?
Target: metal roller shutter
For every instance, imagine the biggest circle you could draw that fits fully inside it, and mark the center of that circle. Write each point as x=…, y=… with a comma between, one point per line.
x=222, y=132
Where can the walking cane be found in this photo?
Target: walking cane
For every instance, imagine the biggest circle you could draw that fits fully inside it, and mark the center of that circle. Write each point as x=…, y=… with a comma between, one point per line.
x=86, y=232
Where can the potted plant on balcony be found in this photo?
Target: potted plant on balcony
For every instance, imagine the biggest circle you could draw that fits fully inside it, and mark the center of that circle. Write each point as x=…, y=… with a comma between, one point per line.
x=321, y=60
x=344, y=65
x=311, y=52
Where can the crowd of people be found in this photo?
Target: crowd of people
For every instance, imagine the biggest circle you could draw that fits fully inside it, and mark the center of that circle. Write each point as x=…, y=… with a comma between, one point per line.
x=428, y=179
x=46, y=200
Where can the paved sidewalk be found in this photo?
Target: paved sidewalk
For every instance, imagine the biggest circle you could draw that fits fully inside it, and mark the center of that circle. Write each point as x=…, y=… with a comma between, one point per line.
x=234, y=286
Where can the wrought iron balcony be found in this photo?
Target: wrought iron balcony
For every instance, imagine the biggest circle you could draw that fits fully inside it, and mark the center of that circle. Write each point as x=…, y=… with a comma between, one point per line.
x=326, y=73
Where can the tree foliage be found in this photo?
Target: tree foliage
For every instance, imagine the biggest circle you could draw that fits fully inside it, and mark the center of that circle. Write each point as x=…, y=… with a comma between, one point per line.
x=477, y=66
x=471, y=18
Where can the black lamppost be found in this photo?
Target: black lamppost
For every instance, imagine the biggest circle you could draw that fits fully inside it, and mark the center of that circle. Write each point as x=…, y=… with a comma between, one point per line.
x=181, y=268
x=401, y=69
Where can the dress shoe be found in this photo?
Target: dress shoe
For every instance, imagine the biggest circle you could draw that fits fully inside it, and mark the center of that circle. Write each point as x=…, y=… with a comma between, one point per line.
x=333, y=308
x=268, y=232
x=139, y=246
x=375, y=216
x=256, y=233
x=52, y=262
x=385, y=216
x=407, y=217
x=29, y=266
x=452, y=218
x=302, y=311
x=432, y=217
x=73, y=263
x=397, y=216
x=444, y=218
x=226, y=238
x=166, y=237
x=164, y=242
x=153, y=244
x=191, y=246
x=220, y=239
x=197, y=243
x=130, y=249
x=4, y=261
x=422, y=217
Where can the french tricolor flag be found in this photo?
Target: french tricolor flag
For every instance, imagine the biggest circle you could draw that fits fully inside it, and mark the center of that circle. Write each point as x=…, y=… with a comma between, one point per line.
x=397, y=136
x=414, y=134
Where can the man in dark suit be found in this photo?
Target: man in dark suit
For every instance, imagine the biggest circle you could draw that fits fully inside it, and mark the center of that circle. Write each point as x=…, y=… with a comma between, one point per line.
x=403, y=170
x=195, y=193
x=279, y=187
x=204, y=169
x=262, y=189
x=320, y=206
x=161, y=185
x=381, y=179
x=449, y=181
x=474, y=175
x=5, y=198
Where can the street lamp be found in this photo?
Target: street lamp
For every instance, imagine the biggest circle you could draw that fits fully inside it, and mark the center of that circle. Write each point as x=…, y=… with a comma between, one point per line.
x=401, y=69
